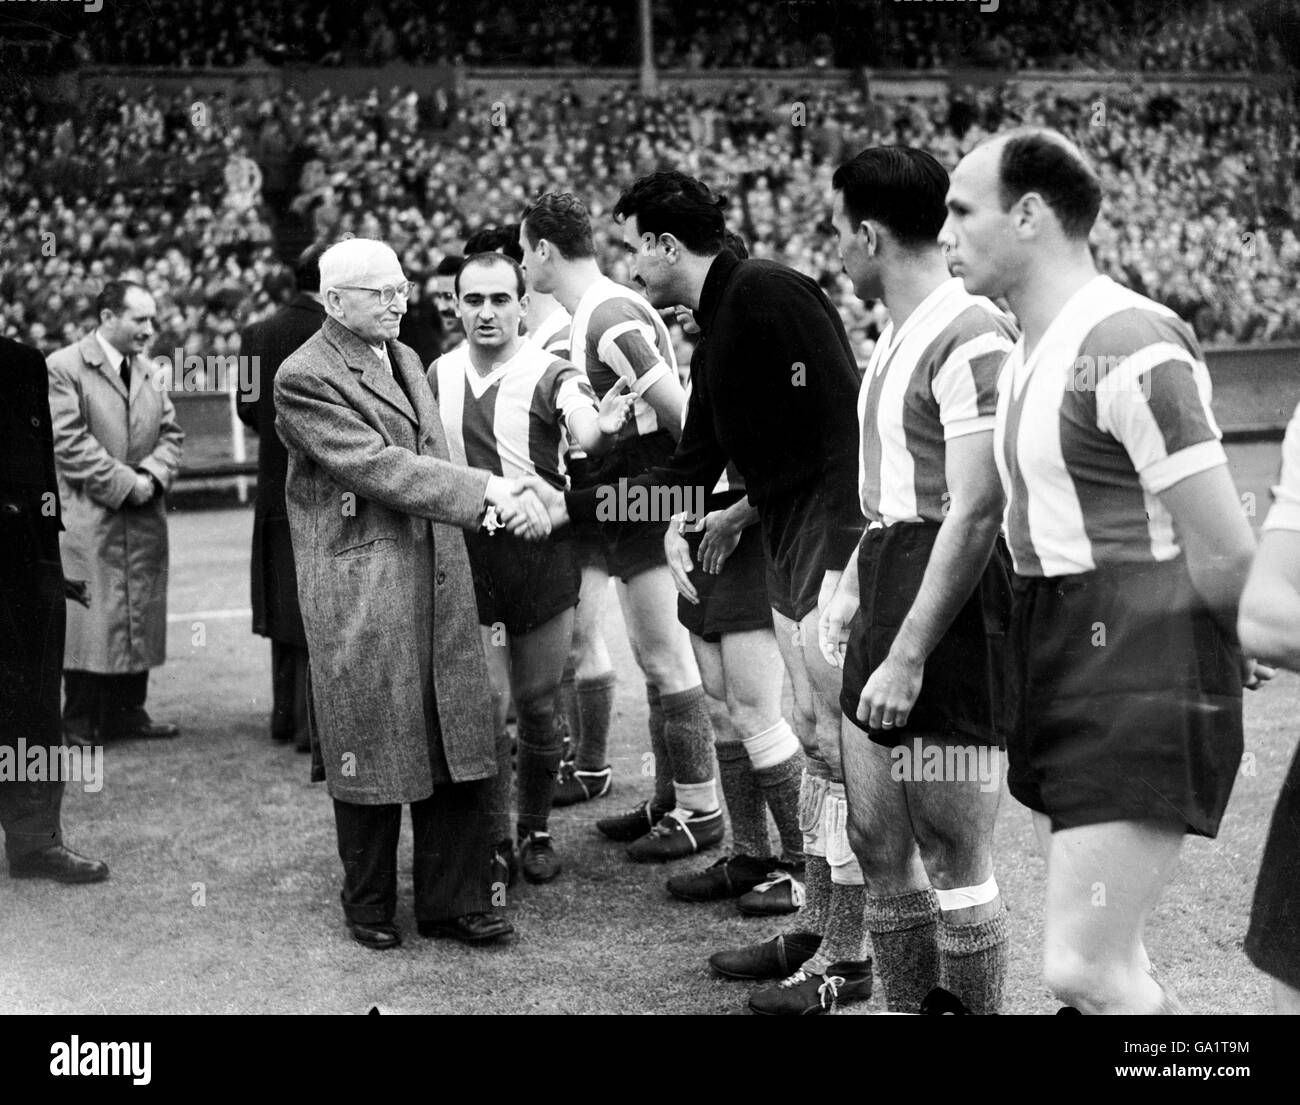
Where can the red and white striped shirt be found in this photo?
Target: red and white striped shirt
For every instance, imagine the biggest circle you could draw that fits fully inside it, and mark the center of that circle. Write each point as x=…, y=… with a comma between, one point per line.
x=509, y=421
x=1111, y=408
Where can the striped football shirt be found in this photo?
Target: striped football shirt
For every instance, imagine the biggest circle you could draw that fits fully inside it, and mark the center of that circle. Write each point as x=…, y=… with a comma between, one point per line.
x=931, y=380
x=509, y=421
x=552, y=334
x=615, y=333
x=1110, y=409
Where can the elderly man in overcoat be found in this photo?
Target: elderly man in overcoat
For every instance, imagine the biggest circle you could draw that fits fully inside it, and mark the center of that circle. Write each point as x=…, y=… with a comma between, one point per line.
x=398, y=684
x=117, y=447
x=274, y=582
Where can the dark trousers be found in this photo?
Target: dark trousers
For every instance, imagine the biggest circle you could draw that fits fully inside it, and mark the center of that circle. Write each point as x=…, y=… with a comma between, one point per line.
x=102, y=700
x=451, y=855
x=29, y=813
x=289, y=695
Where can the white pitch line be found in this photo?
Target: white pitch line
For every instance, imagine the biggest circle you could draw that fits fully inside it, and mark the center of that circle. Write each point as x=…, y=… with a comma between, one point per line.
x=212, y=615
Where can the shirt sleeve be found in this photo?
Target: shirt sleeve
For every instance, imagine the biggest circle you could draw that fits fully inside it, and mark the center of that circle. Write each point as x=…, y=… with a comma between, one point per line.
x=628, y=346
x=1285, y=511
x=697, y=462
x=1156, y=403
x=966, y=384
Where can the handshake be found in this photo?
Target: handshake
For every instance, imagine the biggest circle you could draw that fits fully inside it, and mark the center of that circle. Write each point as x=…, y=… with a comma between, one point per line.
x=527, y=506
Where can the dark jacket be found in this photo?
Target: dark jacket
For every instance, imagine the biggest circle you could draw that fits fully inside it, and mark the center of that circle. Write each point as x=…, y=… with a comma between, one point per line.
x=274, y=581
x=31, y=576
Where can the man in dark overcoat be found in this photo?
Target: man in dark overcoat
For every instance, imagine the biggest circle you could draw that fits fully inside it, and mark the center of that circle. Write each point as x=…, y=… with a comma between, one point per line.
x=274, y=582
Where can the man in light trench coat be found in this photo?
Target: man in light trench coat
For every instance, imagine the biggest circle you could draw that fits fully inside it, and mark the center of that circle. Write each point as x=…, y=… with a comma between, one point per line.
x=117, y=448
x=399, y=692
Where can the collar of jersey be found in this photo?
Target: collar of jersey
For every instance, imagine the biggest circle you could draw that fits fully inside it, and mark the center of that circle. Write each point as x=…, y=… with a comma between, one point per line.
x=933, y=302
x=479, y=385
x=724, y=264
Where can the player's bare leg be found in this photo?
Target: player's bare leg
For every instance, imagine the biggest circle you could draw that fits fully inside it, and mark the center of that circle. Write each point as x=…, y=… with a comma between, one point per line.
x=760, y=763
x=902, y=911
x=835, y=899
x=953, y=820
x=1102, y=883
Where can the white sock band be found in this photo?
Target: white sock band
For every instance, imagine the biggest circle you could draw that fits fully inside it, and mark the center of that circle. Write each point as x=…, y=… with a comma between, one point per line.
x=965, y=896
x=845, y=870
x=772, y=746
x=697, y=797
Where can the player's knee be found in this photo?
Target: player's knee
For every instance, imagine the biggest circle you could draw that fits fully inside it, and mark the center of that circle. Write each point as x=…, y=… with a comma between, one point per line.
x=750, y=717
x=535, y=710
x=950, y=859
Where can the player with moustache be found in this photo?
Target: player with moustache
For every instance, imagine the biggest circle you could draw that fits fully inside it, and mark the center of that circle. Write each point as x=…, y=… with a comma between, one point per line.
x=506, y=404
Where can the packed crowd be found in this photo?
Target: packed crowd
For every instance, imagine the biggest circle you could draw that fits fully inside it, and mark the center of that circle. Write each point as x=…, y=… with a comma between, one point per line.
x=1202, y=196
x=1197, y=36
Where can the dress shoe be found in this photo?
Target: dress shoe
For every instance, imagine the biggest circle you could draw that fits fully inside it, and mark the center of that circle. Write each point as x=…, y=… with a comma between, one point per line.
x=472, y=928
x=58, y=863
x=380, y=936
x=138, y=725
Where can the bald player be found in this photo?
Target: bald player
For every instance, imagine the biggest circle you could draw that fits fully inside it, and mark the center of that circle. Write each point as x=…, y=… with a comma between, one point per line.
x=1130, y=553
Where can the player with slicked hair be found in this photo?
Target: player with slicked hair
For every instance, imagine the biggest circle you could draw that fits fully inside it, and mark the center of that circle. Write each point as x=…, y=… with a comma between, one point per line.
x=921, y=611
x=1130, y=552
x=616, y=335
x=774, y=384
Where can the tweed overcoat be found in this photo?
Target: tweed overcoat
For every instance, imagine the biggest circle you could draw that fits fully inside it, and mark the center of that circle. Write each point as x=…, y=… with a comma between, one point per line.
x=398, y=676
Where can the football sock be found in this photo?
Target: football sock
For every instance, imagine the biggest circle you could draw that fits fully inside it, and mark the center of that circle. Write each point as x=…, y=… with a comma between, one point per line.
x=664, y=798
x=745, y=805
x=817, y=896
x=973, y=961
x=696, y=798
x=595, y=707
x=688, y=734
x=778, y=779
x=539, y=760
x=845, y=932
x=903, y=930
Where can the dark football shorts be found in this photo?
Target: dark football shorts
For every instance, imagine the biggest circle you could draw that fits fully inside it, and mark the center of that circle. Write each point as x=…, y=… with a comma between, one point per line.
x=1273, y=939
x=588, y=547
x=799, y=554
x=522, y=584
x=962, y=690
x=735, y=600
x=1127, y=703
x=628, y=548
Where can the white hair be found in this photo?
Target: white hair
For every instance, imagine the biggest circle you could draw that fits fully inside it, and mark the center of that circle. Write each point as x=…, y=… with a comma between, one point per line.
x=355, y=260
